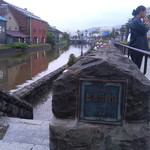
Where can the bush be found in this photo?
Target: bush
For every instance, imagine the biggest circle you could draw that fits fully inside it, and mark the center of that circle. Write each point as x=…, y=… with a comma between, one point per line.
x=18, y=45
x=72, y=60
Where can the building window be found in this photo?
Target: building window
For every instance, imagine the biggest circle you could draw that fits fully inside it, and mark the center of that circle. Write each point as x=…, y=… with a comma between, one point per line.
x=34, y=30
x=9, y=18
x=0, y=29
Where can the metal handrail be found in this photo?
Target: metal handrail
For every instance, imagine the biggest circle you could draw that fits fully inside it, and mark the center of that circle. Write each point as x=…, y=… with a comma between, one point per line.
x=125, y=48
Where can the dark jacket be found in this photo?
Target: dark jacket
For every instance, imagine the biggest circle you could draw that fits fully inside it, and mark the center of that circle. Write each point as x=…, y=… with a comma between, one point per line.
x=138, y=34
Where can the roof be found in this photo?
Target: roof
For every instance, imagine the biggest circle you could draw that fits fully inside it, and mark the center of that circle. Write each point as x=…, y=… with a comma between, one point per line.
x=24, y=11
x=16, y=34
x=2, y=19
x=53, y=29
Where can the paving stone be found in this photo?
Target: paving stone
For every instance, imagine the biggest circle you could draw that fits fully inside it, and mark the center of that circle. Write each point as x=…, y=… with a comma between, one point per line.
x=39, y=147
x=15, y=146
x=46, y=142
x=24, y=134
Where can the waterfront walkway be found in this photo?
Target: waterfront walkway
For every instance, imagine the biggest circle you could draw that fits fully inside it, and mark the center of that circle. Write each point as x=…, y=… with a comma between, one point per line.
x=24, y=134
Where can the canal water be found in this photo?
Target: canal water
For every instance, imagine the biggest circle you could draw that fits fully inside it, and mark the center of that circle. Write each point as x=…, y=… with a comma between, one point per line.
x=19, y=71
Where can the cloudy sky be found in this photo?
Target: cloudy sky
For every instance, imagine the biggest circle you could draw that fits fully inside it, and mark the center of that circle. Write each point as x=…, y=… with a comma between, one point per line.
x=71, y=15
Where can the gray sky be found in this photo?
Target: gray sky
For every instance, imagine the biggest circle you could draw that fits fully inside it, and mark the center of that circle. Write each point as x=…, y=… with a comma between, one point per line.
x=71, y=15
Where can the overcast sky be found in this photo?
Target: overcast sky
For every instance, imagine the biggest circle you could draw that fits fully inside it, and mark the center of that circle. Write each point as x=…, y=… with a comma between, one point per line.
x=71, y=15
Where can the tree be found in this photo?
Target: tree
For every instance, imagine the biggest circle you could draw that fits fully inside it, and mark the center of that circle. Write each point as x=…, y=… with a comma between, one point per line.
x=65, y=36
x=72, y=60
x=123, y=31
x=51, y=38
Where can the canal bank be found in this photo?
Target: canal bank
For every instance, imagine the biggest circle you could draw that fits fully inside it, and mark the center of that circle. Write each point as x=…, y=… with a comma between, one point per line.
x=12, y=52
x=66, y=130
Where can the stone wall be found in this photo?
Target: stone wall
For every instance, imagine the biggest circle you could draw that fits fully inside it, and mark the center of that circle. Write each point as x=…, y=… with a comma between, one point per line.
x=14, y=107
x=74, y=135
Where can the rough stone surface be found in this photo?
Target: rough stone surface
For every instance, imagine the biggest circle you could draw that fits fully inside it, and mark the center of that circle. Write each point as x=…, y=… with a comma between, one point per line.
x=106, y=63
x=13, y=106
x=3, y=130
x=66, y=135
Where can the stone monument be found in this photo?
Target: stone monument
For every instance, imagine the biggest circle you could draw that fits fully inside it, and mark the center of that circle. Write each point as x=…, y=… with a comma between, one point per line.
x=107, y=64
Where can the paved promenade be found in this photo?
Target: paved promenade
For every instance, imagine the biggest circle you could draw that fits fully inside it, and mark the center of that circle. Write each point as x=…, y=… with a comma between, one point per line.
x=23, y=134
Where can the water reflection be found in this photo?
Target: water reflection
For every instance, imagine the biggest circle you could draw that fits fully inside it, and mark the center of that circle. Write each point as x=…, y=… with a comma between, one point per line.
x=16, y=72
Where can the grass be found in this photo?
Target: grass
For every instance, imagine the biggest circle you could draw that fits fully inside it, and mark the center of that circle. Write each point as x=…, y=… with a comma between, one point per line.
x=2, y=47
x=36, y=45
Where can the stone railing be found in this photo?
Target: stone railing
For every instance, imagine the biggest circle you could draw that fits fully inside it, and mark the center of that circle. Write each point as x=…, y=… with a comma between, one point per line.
x=14, y=107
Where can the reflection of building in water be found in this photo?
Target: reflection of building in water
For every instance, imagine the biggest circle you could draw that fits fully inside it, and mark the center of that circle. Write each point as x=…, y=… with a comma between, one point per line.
x=39, y=62
x=16, y=72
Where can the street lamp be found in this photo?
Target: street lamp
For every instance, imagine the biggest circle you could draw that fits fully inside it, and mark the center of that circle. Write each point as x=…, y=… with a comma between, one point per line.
x=78, y=34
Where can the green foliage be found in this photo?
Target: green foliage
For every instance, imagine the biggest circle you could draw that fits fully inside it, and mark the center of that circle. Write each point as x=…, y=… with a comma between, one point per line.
x=72, y=60
x=2, y=47
x=51, y=38
x=64, y=43
x=123, y=42
x=65, y=36
x=18, y=45
x=39, y=44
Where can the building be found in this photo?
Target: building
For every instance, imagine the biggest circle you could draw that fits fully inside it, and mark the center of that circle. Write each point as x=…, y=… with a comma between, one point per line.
x=56, y=33
x=2, y=30
x=23, y=25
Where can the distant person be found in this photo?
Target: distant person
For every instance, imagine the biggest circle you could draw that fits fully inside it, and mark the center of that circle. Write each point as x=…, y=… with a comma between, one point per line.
x=139, y=27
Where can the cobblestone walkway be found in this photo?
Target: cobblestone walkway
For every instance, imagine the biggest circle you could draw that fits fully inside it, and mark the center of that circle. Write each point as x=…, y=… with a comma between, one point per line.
x=23, y=134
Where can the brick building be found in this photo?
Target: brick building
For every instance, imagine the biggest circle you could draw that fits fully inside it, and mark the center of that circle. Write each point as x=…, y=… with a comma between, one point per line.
x=23, y=24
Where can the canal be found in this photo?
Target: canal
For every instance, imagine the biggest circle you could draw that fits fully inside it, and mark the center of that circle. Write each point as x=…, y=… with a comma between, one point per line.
x=19, y=71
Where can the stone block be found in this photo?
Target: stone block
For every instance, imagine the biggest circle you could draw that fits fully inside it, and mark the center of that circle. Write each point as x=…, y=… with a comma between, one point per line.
x=84, y=136
x=107, y=64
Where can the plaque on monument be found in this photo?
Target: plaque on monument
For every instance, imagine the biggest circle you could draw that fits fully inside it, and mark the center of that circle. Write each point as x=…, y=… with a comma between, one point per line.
x=101, y=101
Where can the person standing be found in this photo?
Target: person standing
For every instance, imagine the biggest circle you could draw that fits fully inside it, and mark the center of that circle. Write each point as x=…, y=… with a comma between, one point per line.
x=139, y=27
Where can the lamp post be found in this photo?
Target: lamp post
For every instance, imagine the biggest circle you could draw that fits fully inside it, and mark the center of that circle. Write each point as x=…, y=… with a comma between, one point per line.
x=82, y=44
x=86, y=33
x=78, y=34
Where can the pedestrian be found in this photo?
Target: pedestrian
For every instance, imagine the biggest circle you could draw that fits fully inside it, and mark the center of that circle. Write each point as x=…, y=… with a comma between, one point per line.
x=139, y=27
